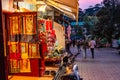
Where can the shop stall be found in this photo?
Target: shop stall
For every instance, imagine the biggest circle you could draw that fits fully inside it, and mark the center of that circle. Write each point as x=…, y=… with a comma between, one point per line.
x=47, y=36
x=31, y=43
x=24, y=57
x=32, y=38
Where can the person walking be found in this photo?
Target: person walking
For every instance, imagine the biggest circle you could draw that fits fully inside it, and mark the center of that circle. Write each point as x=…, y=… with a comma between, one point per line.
x=78, y=46
x=92, y=45
x=73, y=42
x=84, y=47
x=67, y=45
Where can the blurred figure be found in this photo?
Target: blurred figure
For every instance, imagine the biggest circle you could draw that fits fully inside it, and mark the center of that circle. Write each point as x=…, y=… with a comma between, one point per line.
x=115, y=43
x=67, y=45
x=73, y=42
x=119, y=45
x=78, y=46
x=84, y=47
x=92, y=45
x=98, y=44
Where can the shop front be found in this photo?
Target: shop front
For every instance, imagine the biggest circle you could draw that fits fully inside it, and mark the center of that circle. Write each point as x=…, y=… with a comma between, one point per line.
x=30, y=42
x=31, y=38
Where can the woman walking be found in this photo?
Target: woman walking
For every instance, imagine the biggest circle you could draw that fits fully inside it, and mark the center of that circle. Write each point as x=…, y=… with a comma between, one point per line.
x=92, y=45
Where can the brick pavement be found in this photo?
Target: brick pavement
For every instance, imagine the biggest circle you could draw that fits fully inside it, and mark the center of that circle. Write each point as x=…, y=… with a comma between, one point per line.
x=105, y=65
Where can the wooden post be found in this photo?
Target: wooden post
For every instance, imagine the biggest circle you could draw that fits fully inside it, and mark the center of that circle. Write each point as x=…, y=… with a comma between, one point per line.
x=3, y=72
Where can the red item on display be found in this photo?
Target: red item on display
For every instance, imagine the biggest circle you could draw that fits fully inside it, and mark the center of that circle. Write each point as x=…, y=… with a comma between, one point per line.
x=53, y=31
x=43, y=50
x=48, y=25
x=33, y=50
x=14, y=51
x=53, y=34
x=42, y=67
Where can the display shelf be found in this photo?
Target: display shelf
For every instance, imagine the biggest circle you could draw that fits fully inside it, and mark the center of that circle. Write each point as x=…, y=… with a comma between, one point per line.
x=28, y=43
x=34, y=65
x=22, y=48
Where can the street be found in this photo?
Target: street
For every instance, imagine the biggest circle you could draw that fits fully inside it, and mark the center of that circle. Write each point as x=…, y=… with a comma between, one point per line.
x=105, y=65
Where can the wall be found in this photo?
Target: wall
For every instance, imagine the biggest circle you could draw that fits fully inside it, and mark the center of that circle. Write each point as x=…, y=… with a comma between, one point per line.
x=7, y=5
x=59, y=30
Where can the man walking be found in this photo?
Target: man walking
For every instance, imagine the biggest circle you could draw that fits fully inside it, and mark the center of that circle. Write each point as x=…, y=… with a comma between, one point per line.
x=92, y=45
x=83, y=47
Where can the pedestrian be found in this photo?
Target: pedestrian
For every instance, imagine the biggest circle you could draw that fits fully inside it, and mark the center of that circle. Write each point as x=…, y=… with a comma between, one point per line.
x=84, y=47
x=92, y=45
x=119, y=45
x=67, y=45
x=73, y=42
x=78, y=46
x=98, y=44
x=115, y=43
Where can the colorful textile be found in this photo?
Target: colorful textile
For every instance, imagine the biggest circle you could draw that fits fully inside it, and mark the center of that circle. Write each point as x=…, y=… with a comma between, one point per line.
x=14, y=50
x=15, y=26
x=33, y=50
x=29, y=25
x=24, y=50
x=14, y=66
x=25, y=65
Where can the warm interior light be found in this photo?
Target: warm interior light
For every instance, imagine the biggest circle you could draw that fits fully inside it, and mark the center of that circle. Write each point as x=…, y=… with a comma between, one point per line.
x=60, y=5
x=65, y=7
x=42, y=8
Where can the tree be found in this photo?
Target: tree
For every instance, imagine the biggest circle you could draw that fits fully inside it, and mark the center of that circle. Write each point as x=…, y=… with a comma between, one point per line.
x=90, y=22
x=103, y=28
x=109, y=19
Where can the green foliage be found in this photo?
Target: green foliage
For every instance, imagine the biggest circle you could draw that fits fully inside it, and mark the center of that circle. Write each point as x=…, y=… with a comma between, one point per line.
x=78, y=30
x=108, y=16
x=90, y=22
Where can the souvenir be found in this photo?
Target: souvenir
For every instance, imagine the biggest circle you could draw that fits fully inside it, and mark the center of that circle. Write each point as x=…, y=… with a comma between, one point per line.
x=25, y=65
x=15, y=25
x=14, y=66
x=41, y=26
x=24, y=50
x=14, y=50
x=33, y=50
x=29, y=24
x=48, y=25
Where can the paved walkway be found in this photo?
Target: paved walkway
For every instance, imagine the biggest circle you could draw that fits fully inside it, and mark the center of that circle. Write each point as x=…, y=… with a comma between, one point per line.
x=28, y=78
x=105, y=65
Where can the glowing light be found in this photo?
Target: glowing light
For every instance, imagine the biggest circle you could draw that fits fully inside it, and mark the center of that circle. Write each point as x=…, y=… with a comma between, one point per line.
x=42, y=8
